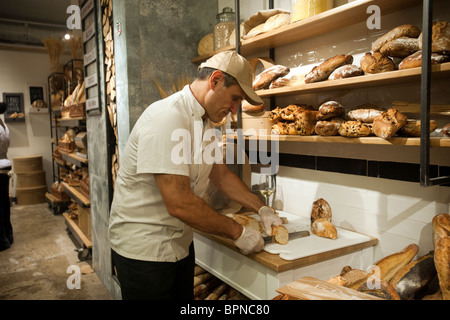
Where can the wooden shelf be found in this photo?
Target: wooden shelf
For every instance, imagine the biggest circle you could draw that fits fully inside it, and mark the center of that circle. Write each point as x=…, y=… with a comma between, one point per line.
x=396, y=141
x=331, y=20
x=75, y=229
x=365, y=81
x=76, y=195
x=75, y=159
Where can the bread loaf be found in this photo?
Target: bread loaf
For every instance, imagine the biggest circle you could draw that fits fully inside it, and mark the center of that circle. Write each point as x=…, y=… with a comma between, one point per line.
x=442, y=263
x=411, y=280
x=406, y=30
x=354, y=129
x=330, y=109
x=384, y=290
x=263, y=80
x=388, y=123
x=324, y=228
x=376, y=63
x=415, y=60
x=338, y=280
x=275, y=114
x=365, y=113
x=400, y=48
x=354, y=278
x=412, y=128
x=440, y=227
x=347, y=71
x=446, y=130
x=440, y=38
x=305, y=123
x=391, y=264
x=206, y=45
x=323, y=71
x=247, y=107
x=280, y=234
x=321, y=209
x=248, y=221
x=328, y=128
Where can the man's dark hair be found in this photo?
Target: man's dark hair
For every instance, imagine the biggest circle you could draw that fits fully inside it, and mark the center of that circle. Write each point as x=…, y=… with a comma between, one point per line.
x=3, y=107
x=206, y=72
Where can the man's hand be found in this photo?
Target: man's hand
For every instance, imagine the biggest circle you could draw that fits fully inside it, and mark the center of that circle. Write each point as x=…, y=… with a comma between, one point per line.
x=269, y=218
x=250, y=241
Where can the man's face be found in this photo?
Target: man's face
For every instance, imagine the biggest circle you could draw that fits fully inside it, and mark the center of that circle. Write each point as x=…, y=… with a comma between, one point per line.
x=223, y=100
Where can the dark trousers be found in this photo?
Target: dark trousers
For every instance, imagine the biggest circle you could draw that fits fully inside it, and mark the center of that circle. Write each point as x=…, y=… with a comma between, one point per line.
x=6, y=230
x=147, y=280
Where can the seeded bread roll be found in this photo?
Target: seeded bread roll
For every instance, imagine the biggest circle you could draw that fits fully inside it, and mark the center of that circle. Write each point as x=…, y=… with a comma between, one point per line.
x=354, y=129
x=306, y=122
x=388, y=123
x=376, y=63
x=346, y=71
x=330, y=109
x=400, y=48
x=323, y=71
x=264, y=79
x=406, y=30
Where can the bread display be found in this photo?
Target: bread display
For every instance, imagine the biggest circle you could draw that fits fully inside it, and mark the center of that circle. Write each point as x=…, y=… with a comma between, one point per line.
x=306, y=122
x=440, y=38
x=265, y=78
x=330, y=109
x=391, y=264
x=400, y=48
x=354, y=129
x=406, y=30
x=411, y=280
x=376, y=63
x=412, y=128
x=346, y=71
x=415, y=60
x=293, y=120
x=388, y=123
x=328, y=128
x=364, y=113
x=324, y=70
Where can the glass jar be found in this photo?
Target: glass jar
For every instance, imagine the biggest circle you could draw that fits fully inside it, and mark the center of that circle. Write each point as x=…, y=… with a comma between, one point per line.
x=225, y=23
x=302, y=9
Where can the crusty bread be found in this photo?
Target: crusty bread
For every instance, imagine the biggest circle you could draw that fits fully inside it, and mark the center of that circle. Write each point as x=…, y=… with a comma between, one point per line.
x=275, y=114
x=400, y=48
x=446, y=130
x=442, y=263
x=354, y=129
x=329, y=110
x=440, y=37
x=339, y=280
x=391, y=264
x=415, y=60
x=346, y=71
x=365, y=113
x=265, y=78
x=324, y=228
x=321, y=209
x=411, y=280
x=385, y=290
x=376, y=63
x=406, y=30
x=354, y=278
x=323, y=71
x=306, y=122
x=280, y=234
x=440, y=227
x=328, y=128
x=248, y=221
x=388, y=123
x=247, y=107
x=412, y=128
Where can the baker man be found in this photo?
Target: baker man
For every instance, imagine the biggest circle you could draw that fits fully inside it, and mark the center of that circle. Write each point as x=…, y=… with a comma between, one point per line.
x=158, y=198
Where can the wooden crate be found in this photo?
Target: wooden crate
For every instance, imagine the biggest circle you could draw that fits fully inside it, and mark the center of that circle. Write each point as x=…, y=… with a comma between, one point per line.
x=77, y=110
x=67, y=147
x=30, y=179
x=27, y=164
x=31, y=195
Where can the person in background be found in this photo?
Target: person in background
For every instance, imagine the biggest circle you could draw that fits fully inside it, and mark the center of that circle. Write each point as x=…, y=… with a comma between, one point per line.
x=158, y=199
x=6, y=230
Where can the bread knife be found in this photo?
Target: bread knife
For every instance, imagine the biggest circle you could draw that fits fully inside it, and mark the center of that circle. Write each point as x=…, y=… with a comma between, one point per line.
x=292, y=236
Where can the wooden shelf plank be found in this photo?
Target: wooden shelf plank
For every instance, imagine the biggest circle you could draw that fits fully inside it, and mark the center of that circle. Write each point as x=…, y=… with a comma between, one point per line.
x=75, y=159
x=396, y=141
x=76, y=195
x=365, y=81
x=331, y=20
x=73, y=226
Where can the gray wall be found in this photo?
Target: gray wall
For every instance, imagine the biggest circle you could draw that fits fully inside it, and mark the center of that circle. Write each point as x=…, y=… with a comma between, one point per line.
x=157, y=41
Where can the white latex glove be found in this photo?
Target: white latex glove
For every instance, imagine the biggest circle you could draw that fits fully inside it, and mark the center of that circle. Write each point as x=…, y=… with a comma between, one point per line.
x=268, y=219
x=250, y=241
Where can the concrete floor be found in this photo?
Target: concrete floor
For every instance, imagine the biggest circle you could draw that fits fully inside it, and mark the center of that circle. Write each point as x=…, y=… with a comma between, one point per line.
x=36, y=265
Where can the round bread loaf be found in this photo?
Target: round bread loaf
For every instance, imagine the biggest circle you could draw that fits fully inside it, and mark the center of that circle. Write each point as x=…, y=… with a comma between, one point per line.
x=280, y=234
x=328, y=128
x=376, y=63
x=263, y=80
x=329, y=110
x=206, y=45
x=412, y=128
x=364, y=113
x=321, y=209
x=406, y=30
x=400, y=48
x=324, y=228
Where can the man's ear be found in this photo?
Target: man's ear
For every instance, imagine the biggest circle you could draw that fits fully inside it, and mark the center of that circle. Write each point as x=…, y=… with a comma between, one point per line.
x=215, y=78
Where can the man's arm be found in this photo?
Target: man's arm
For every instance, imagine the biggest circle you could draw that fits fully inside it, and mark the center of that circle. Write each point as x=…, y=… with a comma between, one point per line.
x=183, y=204
x=233, y=187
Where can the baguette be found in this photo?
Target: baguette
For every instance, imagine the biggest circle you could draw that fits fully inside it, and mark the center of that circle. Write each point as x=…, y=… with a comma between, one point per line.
x=201, y=278
x=391, y=264
x=441, y=227
x=205, y=287
x=217, y=292
x=198, y=270
x=442, y=263
x=411, y=280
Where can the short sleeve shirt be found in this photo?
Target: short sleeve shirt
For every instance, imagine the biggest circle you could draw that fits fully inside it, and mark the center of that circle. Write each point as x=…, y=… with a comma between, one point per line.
x=170, y=137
